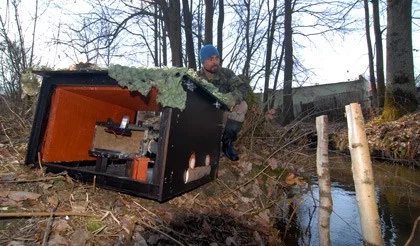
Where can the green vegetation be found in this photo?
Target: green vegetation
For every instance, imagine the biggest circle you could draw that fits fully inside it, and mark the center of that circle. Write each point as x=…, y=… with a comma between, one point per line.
x=93, y=224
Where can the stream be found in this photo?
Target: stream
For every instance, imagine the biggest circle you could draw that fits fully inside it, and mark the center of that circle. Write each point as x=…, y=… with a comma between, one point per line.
x=398, y=199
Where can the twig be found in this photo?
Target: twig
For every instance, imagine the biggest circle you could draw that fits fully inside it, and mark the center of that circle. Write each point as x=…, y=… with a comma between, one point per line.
x=33, y=180
x=226, y=186
x=8, y=138
x=290, y=219
x=94, y=183
x=43, y=214
x=13, y=112
x=268, y=165
x=112, y=215
x=412, y=232
x=40, y=164
x=163, y=233
x=145, y=209
x=49, y=226
x=96, y=232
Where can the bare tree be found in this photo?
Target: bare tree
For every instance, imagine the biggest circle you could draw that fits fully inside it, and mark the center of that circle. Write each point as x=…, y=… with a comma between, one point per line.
x=208, y=30
x=288, y=63
x=220, y=22
x=172, y=18
x=380, y=78
x=16, y=56
x=400, y=96
x=370, y=56
x=189, y=42
x=249, y=46
x=272, y=19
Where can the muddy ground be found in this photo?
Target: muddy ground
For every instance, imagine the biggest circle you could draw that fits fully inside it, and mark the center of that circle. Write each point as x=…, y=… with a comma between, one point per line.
x=241, y=207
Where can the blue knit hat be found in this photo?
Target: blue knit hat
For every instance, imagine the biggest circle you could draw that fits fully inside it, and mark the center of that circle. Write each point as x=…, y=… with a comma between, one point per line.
x=208, y=51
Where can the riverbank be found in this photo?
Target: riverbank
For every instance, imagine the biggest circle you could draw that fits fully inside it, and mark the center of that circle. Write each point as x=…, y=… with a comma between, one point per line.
x=396, y=141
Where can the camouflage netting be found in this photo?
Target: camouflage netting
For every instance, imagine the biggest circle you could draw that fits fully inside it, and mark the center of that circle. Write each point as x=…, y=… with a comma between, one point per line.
x=168, y=81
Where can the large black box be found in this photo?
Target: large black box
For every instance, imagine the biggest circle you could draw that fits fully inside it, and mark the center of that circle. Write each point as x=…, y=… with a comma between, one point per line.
x=76, y=107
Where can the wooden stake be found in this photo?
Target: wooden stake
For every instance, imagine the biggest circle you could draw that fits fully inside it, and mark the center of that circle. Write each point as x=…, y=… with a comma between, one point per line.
x=40, y=164
x=363, y=176
x=322, y=167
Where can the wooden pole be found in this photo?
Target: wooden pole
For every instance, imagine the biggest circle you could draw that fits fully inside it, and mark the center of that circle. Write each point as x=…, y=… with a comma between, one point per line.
x=322, y=167
x=363, y=176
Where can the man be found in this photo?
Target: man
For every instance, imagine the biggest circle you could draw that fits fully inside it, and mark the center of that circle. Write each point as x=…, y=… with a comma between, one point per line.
x=227, y=82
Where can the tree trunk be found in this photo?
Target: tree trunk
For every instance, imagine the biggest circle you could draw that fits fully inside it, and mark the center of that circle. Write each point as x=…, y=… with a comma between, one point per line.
x=31, y=57
x=164, y=46
x=208, y=29
x=220, y=29
x=200, y=28
x=380, y=79
x=247, y=37
x=288, y=65
x=156, y=36
x=189, y=42
x=172, y=18
x=400, y=95
x=270, y=39
x=374, y=97
x=276, y=77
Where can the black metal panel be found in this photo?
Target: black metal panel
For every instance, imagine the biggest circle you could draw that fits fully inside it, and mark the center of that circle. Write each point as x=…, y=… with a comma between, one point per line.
x=197, y=129
x=113, y=182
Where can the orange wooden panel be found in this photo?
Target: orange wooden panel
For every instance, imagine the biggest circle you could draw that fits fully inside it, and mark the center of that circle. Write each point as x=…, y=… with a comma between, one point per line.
x=139, y=170
x=74, y=113
x=120, y=96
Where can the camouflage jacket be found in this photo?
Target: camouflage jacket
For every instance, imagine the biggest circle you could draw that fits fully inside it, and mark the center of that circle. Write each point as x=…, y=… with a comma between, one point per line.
x=226, y=80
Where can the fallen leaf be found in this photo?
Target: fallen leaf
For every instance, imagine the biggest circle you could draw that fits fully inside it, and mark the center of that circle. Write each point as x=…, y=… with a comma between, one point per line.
x=273, y=163
x=247, y=199
x=290, y=179
x=5, y=202
x=61, y=226
x=245, y=167
x=258, y=239
x=264, y=216
x=256, y=190
x=230, y=241
x=7, y=176
x=45, y=186
x=57, y=240
x=80, y=237
x=4, y=193
x=293, y=179
x=79, y=206
x=139, y=240
x=206, y=227
x=16, y=243
x=23, y=195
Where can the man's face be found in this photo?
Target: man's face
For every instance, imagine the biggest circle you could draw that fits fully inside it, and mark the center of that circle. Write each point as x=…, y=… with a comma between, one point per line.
x=212, y=64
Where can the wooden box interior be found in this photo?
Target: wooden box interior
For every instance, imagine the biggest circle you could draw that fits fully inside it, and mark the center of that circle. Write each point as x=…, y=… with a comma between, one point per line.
x=75, y=111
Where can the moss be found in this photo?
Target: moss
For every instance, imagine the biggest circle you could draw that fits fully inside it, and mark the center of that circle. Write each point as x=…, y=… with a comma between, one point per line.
x=93, y=224
x=398, y=104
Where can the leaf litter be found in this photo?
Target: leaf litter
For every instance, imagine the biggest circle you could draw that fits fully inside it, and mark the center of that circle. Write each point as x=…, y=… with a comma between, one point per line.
x=240, y=207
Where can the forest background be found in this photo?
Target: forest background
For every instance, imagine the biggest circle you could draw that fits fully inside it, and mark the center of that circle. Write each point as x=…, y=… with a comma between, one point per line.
x=327, y=41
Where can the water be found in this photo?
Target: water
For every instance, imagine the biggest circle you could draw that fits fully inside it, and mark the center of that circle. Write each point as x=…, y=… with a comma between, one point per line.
x=398, y=198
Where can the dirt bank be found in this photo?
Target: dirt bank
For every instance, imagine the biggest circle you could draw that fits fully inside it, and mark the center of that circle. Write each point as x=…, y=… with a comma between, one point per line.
x=397, y=141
